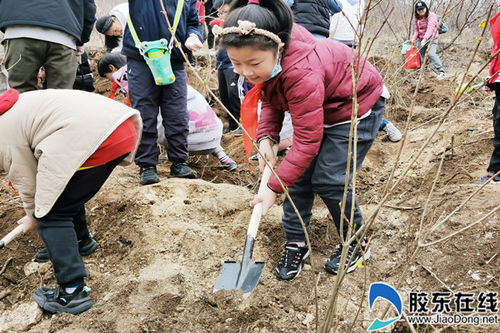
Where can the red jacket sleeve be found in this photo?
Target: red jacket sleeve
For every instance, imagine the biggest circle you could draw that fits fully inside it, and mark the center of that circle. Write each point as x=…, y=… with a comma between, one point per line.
x=304, y=91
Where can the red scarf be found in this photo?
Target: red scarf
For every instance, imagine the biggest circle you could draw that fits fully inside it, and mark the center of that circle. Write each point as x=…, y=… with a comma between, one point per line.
x=250, y=118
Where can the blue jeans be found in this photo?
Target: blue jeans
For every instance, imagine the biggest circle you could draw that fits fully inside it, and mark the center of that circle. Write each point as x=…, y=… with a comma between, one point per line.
x=433, y=57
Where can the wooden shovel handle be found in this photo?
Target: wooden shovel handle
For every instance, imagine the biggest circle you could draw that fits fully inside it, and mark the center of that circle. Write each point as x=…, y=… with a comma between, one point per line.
x=11, y=235
x=257, y=209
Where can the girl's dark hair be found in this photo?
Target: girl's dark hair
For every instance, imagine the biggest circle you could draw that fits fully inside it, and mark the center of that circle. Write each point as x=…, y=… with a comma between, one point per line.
x=114, y=59
x=271, y=15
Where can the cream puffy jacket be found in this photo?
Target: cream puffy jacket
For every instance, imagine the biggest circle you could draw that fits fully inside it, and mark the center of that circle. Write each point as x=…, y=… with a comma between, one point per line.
x=48, y=134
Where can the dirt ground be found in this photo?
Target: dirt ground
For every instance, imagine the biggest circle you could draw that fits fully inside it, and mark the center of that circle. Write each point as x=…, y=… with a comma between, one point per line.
x=162, y=246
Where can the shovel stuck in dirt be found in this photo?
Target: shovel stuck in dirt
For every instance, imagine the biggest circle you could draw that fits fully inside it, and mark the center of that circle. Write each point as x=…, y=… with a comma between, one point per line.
x=245, y=275
x=11, y=236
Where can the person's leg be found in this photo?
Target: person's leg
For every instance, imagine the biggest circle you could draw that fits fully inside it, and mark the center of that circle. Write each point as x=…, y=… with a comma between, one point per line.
x=330, y=172
x=234, y=103
x=224, y=159
x=223, y=93
x=23, y=59
x=60, y=66
x=86, y=244
x=422, y=49
x=494, y=165
x=173, y=106
x=57, y=228
x=296, y=250
x=329, y=175
x=303, y=196
x=58, y=233
x=145, y=96
x=435, y=58
x=80, y=223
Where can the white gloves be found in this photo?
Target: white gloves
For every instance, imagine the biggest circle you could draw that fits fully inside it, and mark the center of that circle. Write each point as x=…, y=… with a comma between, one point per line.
x=193, y=43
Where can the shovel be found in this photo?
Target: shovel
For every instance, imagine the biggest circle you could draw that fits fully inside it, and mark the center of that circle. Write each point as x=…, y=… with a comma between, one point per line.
x=11, y=236
x=245, y=275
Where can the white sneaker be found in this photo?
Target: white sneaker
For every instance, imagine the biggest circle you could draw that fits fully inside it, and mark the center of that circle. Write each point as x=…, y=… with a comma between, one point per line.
x=442, y=76
x=392, y=132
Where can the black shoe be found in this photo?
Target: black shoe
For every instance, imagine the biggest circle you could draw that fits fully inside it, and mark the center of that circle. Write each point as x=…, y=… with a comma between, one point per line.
x=182, y=170
x=352, y=262
x=238, y=132
x=228, y=130
x=149, y=176
x=57, y=300
x=486, y=178
x=291, y=261
x=86, y=247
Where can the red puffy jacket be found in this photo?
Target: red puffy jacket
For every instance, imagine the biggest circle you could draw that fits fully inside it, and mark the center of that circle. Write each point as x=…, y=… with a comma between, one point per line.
x=495, y=34
x=316, y=86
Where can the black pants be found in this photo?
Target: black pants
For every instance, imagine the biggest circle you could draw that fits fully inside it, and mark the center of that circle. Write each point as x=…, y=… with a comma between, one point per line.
x=66, y=223
x=495, y=157
x=326, y=176
x=228, y=90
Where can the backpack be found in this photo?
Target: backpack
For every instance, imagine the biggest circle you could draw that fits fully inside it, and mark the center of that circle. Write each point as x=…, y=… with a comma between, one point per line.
x=443, y=26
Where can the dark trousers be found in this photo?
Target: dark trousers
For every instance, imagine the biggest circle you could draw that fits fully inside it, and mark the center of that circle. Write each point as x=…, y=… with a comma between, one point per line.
x=25, y=56
x=66, y=224
x=228, y=90
x=171, y=101
x=495, y=157
x=326, y=176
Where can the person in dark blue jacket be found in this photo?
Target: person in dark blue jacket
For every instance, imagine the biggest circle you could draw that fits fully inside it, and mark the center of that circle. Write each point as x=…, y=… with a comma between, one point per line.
x=314, y=15
x=171, y=100
x=227, y=77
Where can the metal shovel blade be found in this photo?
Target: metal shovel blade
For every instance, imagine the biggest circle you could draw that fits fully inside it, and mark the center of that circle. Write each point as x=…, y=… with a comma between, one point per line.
x=239, y=276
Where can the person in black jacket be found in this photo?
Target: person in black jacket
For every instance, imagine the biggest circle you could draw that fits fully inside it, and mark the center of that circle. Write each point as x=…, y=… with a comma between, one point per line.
x=314, y=15
x=47, y=33
x=149, y=22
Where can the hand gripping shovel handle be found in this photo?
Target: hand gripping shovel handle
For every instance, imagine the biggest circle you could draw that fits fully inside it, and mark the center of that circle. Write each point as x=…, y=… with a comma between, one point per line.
x=11, y=236
x=257, y=209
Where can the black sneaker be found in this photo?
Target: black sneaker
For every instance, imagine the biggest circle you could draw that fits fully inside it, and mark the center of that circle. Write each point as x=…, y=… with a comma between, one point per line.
x=149, y=176
x=290, y=264
x=228, y=130
x=332, y=264
x=86, y=247
x=182, y=170
x=57, y=300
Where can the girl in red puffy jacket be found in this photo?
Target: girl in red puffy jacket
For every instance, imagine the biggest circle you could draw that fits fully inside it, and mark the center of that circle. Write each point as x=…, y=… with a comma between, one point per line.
x=494, y=84
x=313, y=79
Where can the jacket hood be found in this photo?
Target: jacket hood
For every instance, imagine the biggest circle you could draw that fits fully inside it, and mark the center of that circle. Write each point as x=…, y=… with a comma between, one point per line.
x=300, y=45
x=7, y=100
